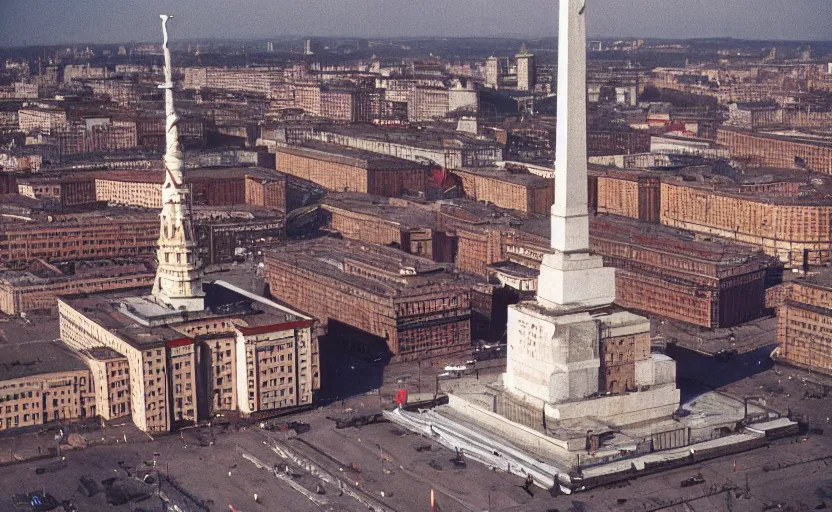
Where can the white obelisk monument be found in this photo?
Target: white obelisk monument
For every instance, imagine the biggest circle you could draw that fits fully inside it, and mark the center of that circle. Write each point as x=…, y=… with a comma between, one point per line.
x=554, y=341
x=178, y=283
x=571, y=275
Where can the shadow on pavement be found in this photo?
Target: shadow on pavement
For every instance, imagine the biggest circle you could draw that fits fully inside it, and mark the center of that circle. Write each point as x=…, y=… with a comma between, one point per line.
x=699, y=373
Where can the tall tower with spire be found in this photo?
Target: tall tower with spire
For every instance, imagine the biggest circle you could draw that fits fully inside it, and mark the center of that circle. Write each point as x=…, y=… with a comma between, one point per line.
x=178, y=283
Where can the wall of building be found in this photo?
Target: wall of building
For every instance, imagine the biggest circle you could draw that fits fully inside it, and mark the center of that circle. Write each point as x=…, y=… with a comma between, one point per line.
x=343, y=177
x=81, y=333
x=45, y=398
x=664, y=298
x=782, y=230
x=770, y=151
x=266, y=193
x=804, y=316
x=25, y=298
x=366, y=228
x=618, y=197
x=100, y=238
x=427, y=322
x=529, y=198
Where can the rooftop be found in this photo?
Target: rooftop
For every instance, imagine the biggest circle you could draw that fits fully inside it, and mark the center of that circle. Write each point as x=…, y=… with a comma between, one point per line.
x=20, y=360
x=383, y=271
x=771, y=185
x=348, y=156
x=406, y=216
x=675, y=242
x=477, y=216
x=432, y=139
x=133, y=316
x=817, y=139
x=509, y=175
x=153, y=176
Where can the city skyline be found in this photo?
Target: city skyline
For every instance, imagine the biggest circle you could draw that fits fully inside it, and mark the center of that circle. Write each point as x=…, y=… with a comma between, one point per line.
x=48, y=22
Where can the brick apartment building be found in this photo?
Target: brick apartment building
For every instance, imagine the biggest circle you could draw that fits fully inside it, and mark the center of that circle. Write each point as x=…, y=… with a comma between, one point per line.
x=242, y=354
x=784, y=214
x=150, y=131
x=510, y=188
x=804, y=311
x=46, y=120
x=36, y=290
x=143, y=189
x=254, y=81
x=388, y=222
x=772, y=150
x=662, y=271
x=43, y=383
x=428, y=104
x=376, y=298
x=266, y=192
x=449, y=150
x=668, y=273
x=80, y=236
x=342, y=169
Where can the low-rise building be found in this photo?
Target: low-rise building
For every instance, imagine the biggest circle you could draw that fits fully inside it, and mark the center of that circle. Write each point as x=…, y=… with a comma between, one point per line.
x=804, y=313
x=41, y=383
x=243, y=353
x=46, y=120
x=342, y=169
x=35, y=290
x=388, y=222
x=510, y=187
x=78, y=236
x=790, y=150
x=671, y=274
x=788, y=215
x=380, y=299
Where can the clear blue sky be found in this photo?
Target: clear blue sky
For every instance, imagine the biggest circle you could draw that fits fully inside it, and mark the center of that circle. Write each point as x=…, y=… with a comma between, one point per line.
x=105, y=21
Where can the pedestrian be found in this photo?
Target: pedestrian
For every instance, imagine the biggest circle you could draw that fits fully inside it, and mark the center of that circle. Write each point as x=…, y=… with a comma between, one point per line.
x=529, y=482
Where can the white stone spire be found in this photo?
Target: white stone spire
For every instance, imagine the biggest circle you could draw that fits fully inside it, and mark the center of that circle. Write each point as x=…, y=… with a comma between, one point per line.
x=178, y=282
x=572, y=276
x=570, y=221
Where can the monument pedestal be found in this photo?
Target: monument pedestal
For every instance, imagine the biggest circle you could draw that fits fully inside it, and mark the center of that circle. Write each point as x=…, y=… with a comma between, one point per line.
x=553, y=365
x=578, y=280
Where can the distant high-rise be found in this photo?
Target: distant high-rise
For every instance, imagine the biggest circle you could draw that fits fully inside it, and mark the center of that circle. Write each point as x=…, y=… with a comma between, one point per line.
x=526, y=70
x=269, y=47
x=312, y=47
x=492, y=72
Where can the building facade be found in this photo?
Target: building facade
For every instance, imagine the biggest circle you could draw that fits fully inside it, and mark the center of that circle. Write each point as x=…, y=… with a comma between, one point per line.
x=403, y=306
x=342, y=169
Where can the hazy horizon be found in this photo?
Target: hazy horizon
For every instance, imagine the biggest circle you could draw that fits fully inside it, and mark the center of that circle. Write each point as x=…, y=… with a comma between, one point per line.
x=52, y=22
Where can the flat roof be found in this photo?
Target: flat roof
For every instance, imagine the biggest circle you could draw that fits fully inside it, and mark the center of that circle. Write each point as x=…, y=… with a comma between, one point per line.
x=403, y=274
x=478, y=216
x=796, y=137
x=407, y=216
x=676, y=242
x=809, y=188
x=134, y=317
x=20, y=360
x=153, y=175
x=349, y=156
x=516, y=177
x=431, y=139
